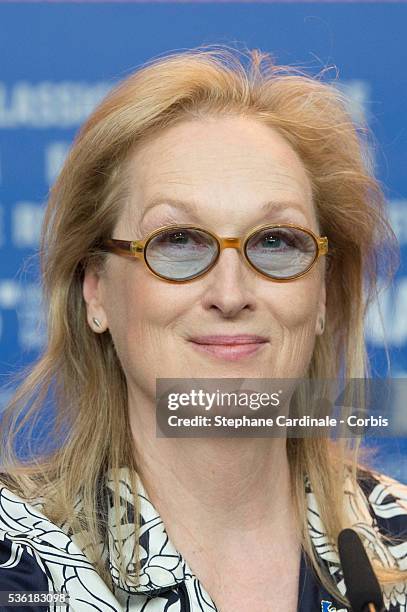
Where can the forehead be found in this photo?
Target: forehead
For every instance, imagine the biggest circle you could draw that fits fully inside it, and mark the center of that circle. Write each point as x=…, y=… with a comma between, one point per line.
x=217, y=167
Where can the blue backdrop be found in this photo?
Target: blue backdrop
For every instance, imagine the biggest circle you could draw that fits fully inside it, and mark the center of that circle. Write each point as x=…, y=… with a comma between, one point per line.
x=57, y=62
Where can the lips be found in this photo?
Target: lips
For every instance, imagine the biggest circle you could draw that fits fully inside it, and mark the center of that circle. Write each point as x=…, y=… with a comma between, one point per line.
x=230, y=340
x=236, y=348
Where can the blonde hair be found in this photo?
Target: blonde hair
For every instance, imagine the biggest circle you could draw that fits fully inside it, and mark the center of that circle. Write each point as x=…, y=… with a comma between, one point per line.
x=82, y=210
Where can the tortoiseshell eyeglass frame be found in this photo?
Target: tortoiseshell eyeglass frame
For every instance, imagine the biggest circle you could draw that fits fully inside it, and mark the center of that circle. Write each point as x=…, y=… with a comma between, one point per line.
x=137, y=248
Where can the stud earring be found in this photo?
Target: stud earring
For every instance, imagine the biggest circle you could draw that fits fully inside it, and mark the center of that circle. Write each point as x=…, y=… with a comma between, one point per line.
x=322, y=325
x=97, y=323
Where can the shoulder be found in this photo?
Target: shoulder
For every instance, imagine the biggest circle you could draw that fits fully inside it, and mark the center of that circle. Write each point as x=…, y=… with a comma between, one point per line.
x=383, y=527
x=377, y=509
x=35, y=553
x=21, y=567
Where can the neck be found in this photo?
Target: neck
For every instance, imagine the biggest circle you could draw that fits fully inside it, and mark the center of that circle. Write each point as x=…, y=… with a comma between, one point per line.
x=215, y=487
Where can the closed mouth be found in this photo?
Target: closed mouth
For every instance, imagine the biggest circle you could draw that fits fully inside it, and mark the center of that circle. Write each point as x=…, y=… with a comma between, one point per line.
x=229, y=341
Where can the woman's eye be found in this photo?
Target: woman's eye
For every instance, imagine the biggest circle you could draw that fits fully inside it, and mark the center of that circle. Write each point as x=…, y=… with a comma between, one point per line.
x=180, y=236
x=176, y=237
x=276, y=240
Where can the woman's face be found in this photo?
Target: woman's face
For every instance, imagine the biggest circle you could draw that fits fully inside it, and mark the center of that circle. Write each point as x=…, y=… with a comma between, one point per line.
x=224, y=170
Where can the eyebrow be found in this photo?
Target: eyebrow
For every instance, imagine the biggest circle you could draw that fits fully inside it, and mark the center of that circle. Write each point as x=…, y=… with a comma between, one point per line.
x=271, y=206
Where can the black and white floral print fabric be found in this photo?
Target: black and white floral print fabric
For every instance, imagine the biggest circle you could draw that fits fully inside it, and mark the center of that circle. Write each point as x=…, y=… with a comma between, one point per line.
x=36, y=555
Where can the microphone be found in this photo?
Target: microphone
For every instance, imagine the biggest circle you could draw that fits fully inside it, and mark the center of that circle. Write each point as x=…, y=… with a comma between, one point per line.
x=362, y=586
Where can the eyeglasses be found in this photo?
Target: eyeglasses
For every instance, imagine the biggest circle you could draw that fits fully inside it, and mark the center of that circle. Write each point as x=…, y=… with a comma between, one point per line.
x=181, y=253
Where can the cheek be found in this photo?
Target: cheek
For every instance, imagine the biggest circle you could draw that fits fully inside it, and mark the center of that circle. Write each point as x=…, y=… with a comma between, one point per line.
x=152, y=302
x=295, y=305
x=148, y=307
x=123, y=306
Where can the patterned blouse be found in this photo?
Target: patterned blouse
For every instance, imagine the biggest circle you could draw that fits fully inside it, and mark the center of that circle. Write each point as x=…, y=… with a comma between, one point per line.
x=36, y=555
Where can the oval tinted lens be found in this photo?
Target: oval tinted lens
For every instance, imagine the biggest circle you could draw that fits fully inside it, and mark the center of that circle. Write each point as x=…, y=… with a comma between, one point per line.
x=281, y=252
x=181, y=253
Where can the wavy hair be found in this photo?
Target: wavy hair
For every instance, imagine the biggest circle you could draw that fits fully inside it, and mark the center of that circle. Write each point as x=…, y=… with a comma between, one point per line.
x=91, y=419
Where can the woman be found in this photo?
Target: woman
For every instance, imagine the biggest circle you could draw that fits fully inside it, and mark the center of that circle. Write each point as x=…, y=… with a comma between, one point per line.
x=121, y=519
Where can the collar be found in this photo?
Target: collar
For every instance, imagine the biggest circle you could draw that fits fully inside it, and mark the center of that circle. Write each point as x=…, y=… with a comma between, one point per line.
x=162, y=566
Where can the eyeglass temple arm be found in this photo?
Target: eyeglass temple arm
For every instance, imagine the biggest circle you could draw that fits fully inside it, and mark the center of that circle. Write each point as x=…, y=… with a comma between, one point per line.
x=322, y=245
x=132, y=248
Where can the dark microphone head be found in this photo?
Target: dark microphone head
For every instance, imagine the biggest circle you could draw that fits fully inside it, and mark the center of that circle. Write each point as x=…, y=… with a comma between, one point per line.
x=362, y=586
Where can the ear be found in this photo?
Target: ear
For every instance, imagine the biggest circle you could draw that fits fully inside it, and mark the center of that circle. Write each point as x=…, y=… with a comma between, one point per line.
x=321, y=311
x=93, y=296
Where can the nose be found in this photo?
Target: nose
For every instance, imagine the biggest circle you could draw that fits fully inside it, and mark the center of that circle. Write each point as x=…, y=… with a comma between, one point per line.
x=229, y=284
